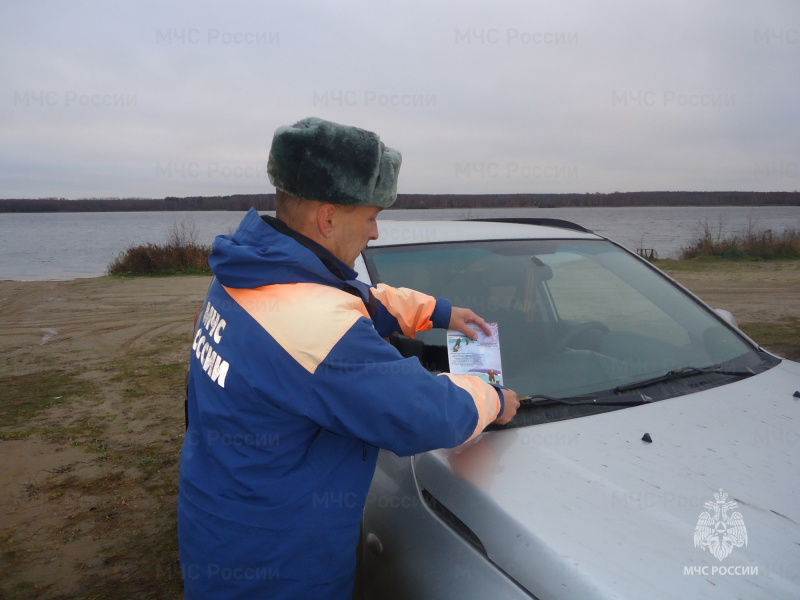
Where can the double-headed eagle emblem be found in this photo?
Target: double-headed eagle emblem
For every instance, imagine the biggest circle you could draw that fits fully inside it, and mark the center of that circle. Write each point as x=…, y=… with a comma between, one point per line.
x=721, y=532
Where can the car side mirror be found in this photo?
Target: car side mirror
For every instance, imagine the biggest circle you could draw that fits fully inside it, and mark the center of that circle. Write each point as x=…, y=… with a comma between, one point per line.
x=727, y=316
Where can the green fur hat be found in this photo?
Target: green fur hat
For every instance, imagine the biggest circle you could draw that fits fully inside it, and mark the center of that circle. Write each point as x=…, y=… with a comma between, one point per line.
x=320, y=160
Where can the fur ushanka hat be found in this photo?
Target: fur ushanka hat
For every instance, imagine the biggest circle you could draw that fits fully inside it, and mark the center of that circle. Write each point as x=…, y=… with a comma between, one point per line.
x=320, y=160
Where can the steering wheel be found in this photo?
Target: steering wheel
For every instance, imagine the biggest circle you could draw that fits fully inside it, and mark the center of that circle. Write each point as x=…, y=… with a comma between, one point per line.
x=578, y=331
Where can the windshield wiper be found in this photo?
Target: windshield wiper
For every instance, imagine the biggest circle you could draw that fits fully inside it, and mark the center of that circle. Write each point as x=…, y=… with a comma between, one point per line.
x=680, y=374
x=596, y=400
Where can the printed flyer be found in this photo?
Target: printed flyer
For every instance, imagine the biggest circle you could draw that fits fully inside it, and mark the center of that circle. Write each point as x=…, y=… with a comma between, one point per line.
x=481, y=357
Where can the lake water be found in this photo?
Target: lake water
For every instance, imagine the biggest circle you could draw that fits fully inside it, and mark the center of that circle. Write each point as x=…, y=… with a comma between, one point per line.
x=62, y=246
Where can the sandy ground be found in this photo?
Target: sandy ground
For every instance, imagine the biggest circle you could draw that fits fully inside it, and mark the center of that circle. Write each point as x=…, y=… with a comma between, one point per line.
x=754, y=292
x=93, y=484
x=87, y=487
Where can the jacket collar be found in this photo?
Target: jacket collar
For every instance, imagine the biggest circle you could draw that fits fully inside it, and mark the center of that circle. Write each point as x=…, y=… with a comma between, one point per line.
x=333, y=264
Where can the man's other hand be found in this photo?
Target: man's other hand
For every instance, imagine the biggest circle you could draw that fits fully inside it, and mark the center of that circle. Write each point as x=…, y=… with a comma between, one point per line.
x=511, y=405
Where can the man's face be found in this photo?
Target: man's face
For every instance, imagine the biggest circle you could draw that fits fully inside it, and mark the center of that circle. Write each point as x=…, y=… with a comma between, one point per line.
x=353, y=229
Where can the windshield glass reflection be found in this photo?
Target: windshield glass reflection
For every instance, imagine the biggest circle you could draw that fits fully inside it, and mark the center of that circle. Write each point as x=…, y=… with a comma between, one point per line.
x=575, y=316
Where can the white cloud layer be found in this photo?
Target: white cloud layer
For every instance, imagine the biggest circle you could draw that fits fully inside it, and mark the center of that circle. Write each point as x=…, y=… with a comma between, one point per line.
x=152, y=99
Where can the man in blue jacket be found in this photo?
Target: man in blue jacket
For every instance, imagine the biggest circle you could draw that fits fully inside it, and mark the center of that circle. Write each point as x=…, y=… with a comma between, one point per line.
x=292, y=386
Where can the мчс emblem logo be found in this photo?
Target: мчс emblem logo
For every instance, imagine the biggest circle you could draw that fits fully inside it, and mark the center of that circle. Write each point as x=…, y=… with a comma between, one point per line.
x=720, y=532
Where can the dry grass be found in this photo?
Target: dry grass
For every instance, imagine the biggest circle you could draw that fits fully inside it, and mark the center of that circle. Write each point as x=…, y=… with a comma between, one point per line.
x=748, y=244
x=180, y=255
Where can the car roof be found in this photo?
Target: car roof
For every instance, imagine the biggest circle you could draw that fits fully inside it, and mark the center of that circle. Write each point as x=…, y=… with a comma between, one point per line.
x=393, y=232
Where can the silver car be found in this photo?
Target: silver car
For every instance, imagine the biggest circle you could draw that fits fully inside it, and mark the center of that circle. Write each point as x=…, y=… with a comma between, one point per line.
x=656, y=455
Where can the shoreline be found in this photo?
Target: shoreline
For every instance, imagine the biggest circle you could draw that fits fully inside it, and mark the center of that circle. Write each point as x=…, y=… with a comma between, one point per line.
x=60, y=247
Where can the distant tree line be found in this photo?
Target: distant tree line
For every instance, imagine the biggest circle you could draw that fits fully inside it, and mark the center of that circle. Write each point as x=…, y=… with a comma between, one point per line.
x=598, y=199
x=242, y=202
x=237, y=202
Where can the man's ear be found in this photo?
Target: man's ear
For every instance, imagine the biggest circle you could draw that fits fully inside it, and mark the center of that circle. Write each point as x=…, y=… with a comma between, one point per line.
x=325, y=216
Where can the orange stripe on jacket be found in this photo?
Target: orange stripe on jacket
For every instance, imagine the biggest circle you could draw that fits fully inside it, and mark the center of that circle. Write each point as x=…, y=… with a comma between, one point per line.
x=307, y=319
x=485, y=397
x=412, y=309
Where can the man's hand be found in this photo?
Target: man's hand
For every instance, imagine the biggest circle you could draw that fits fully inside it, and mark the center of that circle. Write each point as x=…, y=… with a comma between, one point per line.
x=460, y=319
x=511, y=405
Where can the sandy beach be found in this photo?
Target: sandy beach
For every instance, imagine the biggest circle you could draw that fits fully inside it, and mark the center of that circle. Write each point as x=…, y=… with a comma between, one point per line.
x=91, y=421
x=88, y=488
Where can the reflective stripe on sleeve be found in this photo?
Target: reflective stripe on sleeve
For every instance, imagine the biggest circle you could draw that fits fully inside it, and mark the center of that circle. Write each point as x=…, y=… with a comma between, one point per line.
x=412, y=309
x=485, y=397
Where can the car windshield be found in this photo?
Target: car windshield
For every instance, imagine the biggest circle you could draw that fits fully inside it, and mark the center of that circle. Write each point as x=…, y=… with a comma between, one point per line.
x=575, y=317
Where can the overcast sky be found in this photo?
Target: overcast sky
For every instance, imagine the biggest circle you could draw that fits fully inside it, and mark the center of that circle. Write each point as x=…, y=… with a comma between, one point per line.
x=154, y=99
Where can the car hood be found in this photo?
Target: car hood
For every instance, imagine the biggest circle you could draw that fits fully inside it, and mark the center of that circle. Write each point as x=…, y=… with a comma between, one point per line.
x=585, y=508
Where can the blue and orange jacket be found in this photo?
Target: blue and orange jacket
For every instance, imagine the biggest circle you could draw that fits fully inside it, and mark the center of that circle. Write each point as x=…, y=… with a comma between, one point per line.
x=292, y=391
